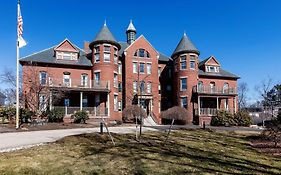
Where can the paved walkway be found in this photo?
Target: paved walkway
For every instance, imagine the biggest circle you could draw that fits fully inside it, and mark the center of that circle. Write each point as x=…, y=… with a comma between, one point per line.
x=19, y=140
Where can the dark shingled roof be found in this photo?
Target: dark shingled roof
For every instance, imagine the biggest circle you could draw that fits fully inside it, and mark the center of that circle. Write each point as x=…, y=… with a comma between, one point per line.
x=48, y=56
x=185, y=45
x=104, y=36
x=221, y=73
x=124, y=45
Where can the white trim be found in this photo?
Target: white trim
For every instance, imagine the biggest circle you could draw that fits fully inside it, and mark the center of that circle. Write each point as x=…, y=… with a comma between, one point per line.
x=146, y=41
x=115, y=72
x=97, y=71
x=115, y=93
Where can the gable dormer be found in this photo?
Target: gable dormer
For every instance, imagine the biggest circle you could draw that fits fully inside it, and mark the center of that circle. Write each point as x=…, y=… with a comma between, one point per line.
x=66, y=51
x=210, y=65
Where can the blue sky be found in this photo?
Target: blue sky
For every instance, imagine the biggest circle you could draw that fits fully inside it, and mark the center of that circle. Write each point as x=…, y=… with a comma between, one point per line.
x=244, y=35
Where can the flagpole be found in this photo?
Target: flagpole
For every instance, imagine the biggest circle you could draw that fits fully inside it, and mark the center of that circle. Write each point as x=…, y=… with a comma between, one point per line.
x=17, y=75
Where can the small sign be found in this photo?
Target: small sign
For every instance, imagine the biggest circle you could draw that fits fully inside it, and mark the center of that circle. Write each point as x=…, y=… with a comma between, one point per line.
x=66, y=102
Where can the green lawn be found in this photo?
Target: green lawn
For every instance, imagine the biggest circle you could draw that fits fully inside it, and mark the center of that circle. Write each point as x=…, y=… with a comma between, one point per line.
x=187, y=152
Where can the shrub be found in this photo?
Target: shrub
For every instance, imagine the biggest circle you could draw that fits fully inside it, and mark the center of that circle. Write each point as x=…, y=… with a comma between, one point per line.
x=56, y=115
x=130, y=113
x=80, y=117
x=8, y=113
x=176, y=112
x=242, y=118
x=223, y=118
x=25, y=115
x=273, y=130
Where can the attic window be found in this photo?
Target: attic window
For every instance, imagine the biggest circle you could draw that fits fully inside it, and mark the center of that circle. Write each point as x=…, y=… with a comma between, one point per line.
x=66, y=55
x=212, y=68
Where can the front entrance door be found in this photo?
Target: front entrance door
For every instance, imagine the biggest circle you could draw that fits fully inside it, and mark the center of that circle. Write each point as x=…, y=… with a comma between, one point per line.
x=145, y=104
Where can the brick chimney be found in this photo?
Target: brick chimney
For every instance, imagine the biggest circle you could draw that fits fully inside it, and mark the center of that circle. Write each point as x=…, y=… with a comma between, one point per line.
x=86, y=46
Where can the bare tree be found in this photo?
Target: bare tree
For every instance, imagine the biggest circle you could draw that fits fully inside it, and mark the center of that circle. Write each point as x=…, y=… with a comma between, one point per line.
x=242, y=94
x=8, y=77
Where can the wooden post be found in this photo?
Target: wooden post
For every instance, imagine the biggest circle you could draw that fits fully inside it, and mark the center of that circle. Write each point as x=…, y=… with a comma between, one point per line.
x=169, y=130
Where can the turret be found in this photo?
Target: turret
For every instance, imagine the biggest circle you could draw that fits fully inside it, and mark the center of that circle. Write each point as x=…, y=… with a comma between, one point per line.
x=185, y=58
x=131, y=33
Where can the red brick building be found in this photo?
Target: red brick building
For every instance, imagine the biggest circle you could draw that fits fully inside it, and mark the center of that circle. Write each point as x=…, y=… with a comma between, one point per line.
x=107, y=75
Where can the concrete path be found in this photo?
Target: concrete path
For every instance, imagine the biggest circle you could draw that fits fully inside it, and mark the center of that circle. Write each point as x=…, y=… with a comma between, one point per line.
x=19, y=140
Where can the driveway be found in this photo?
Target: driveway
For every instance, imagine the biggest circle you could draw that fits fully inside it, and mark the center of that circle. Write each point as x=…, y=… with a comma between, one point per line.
x=19, y=140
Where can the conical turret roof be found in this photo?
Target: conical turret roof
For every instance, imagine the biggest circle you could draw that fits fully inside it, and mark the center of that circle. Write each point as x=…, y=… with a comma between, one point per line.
x=131, y=27
x=105, y=36
x=185, y=46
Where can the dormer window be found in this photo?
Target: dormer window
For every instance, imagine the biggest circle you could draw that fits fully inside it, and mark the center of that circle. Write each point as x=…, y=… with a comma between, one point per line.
x=142, y=53
x=212, y=68
x=66, y=55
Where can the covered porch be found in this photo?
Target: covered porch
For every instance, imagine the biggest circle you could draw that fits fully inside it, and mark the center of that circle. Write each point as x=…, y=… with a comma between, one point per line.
x=208, y=106
x=96, y=104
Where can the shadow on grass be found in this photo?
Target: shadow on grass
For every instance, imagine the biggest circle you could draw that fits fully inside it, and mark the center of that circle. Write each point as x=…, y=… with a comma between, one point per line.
x=177, y=155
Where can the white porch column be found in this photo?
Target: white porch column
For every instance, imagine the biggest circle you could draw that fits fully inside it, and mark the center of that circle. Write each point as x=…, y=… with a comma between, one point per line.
x=81, y=101
x=51, y=101
x=199, y=103
x=218, y=103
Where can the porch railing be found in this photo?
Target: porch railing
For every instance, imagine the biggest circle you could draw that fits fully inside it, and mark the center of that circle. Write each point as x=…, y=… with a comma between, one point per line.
x=92, y=111
x=211, y=111
x=214, y=90
x=78, y=83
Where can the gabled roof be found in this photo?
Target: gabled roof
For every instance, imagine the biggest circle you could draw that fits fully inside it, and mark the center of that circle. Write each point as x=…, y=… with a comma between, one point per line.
x=104, y=36
x=64, y=44
x=124, y=45
x=48, y=56
x=185, y=46
x=139, y=39
x=131, y=27
x=208, y=59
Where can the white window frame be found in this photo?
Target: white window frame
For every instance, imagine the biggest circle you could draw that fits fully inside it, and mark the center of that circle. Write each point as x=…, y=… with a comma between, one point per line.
x=182, y=104
x=115, y=79
x=41, y=78
x=149, y=87
x=142, y=63
x=105, y=58
x=135, y=67
x=183, y=61
x=148, y=68
x=115, y=102
x=135, y=87
x=84, y=83
x=66, y=77
x=119, y=68
x=181, y=84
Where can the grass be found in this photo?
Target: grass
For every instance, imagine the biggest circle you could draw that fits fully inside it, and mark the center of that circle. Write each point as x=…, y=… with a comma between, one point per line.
x=186, y=152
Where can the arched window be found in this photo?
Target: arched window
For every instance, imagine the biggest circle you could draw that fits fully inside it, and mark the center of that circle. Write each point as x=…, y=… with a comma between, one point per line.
x=213, y=87
x=142, y=53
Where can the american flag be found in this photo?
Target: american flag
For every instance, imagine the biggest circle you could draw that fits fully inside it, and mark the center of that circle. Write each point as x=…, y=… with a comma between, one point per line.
x=20, y=22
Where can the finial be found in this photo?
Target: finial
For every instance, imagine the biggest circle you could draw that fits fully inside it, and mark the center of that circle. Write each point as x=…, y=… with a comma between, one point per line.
x=131, y=21
x=184, y=33
x=104, y=23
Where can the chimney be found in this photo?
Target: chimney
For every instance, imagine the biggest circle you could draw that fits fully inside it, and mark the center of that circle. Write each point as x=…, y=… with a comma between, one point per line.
x=86, y=46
